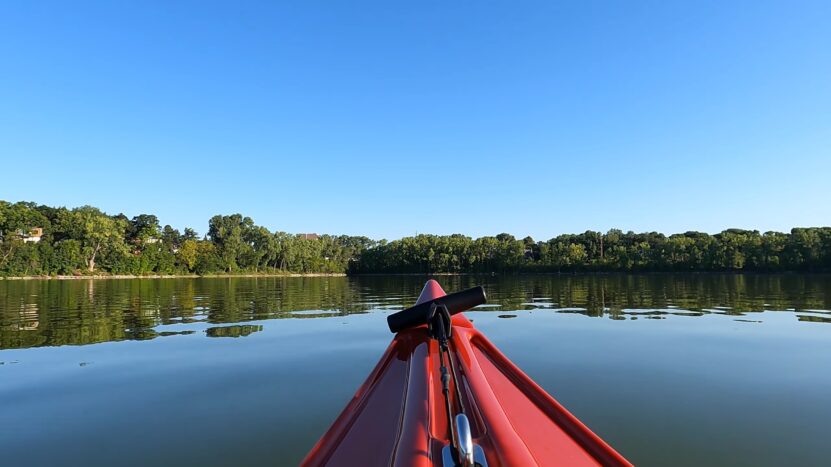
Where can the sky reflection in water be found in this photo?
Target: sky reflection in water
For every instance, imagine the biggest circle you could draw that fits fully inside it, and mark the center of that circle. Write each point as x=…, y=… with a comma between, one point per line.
x=670, y=369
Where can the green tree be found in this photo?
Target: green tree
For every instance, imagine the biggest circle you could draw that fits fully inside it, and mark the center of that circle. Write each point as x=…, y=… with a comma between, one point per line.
x=94, y=231
x=226, y=232
x=188, y=254
x=143, y=228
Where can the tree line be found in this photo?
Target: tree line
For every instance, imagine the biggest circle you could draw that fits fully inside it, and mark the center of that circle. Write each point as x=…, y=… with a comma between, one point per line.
x=43, y=240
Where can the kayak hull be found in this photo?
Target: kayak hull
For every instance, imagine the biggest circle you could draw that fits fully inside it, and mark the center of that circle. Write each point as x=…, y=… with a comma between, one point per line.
x=397, y=418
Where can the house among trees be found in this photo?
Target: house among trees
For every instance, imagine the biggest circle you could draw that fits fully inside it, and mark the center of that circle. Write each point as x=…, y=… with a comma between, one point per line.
x=33, y=236
x=310, y=236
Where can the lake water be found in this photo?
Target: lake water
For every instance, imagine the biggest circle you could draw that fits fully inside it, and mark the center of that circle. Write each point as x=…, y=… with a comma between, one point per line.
x=669, y=369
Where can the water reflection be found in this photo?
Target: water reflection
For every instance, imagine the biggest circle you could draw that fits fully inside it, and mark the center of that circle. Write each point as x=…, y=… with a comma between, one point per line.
x=813, y=319
x=52, y=313
x=239, y=330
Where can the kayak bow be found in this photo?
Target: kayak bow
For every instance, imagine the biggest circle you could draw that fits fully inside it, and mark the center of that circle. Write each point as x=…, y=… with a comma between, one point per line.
x=484, y=411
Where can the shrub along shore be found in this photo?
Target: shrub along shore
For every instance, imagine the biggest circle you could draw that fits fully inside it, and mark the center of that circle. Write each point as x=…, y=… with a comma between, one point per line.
x=43, y=241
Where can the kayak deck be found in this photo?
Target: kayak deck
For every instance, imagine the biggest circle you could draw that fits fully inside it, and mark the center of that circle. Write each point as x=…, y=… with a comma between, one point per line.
x=397, y=415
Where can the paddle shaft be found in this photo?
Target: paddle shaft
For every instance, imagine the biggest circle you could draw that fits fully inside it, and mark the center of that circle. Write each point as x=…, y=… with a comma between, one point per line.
x=418, y=314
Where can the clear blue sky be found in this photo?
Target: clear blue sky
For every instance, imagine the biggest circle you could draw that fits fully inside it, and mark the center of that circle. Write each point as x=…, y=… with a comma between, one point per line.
x=389, y=118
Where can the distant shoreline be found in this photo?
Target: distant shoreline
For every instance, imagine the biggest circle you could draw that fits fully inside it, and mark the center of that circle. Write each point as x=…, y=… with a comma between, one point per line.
x=403, y=274
x=167, y=276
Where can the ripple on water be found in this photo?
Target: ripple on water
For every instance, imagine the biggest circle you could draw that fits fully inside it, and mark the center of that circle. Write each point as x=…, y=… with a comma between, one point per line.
x=308, y=314
x=570, y=310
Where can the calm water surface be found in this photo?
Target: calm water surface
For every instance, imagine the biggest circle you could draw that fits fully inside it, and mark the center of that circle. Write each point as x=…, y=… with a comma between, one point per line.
x=671, y=370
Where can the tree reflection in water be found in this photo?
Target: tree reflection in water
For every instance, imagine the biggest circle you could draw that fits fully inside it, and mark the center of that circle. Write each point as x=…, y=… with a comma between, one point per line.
x=77, y=312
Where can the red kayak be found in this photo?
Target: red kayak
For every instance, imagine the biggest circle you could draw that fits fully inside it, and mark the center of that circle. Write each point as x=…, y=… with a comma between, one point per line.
x=444, y=395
